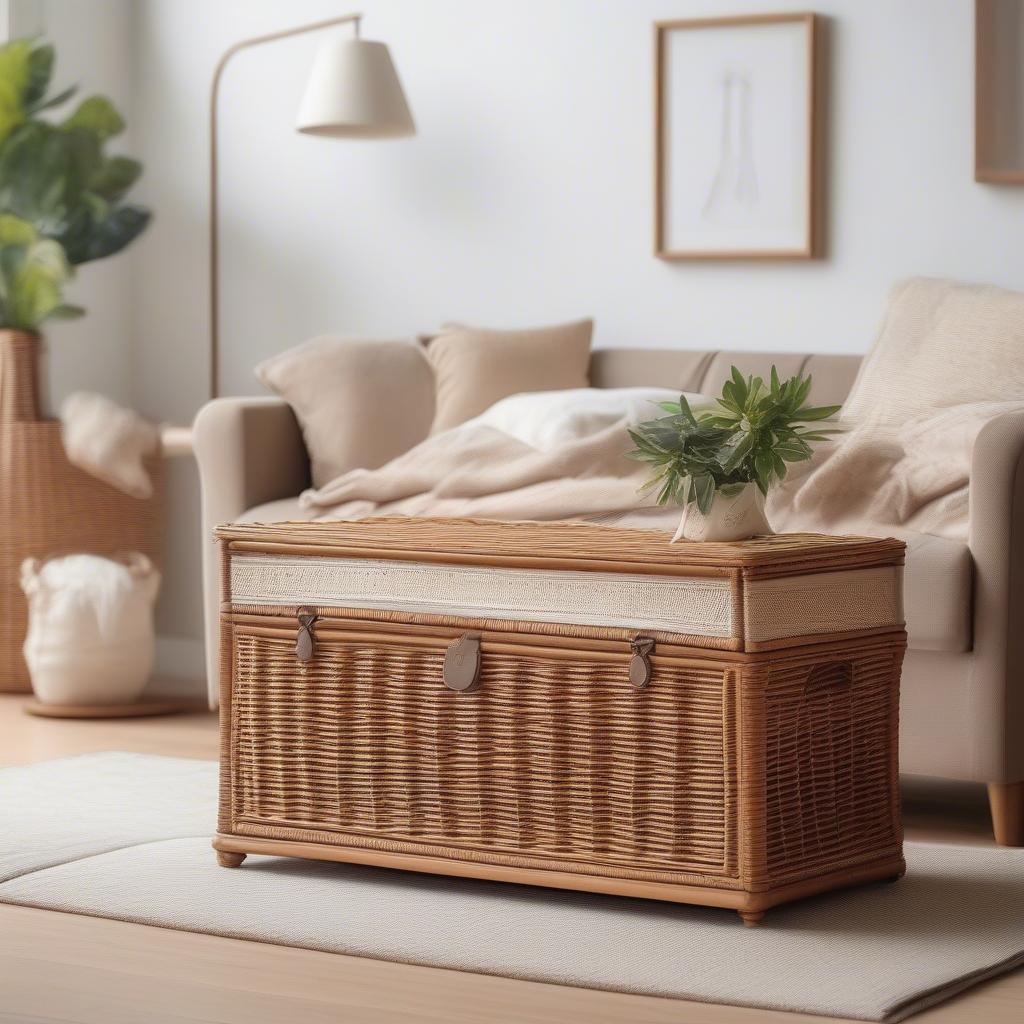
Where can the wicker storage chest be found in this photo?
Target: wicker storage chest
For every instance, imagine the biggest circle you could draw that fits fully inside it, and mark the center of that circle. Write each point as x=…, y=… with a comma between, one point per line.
x=564, y=705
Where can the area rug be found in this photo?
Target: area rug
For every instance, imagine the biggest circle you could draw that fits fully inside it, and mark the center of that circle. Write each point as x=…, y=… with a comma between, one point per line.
x=110, y=836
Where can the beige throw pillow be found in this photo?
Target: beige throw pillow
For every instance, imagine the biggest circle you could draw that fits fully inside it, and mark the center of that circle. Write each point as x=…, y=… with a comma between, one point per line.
x=359, y=402
x=476, y=367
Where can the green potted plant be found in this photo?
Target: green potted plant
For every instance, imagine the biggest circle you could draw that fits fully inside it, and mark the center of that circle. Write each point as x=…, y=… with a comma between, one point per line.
x=718, y=463
x=61, y=195
x=62, y=203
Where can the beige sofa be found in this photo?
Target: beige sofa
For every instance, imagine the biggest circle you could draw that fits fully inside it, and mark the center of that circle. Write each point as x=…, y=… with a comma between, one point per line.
x=963, y=695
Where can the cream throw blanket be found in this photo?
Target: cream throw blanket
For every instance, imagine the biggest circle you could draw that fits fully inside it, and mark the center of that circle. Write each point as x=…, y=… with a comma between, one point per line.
x=949, y=358
x=550, y=455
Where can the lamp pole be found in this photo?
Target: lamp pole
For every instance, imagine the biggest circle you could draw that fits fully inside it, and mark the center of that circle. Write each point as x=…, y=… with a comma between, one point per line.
x=218, y=74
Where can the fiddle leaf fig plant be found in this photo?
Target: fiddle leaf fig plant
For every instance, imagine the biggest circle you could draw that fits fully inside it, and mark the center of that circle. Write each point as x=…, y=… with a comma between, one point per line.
x=57, y=180
x=749, y=436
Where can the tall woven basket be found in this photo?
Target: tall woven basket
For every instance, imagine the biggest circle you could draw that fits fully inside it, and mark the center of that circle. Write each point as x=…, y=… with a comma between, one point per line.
x=48, y=506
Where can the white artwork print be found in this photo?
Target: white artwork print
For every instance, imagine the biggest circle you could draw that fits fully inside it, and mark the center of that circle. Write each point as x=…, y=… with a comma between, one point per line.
x=736, y=138
x=733, y=194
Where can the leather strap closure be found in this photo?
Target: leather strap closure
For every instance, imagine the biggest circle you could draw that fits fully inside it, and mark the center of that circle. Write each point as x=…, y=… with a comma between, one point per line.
x=640, y=663
x=462, y=663
x=305, y=641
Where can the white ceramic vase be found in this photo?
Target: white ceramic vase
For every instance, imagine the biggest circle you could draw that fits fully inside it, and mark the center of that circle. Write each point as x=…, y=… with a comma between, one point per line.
x=736, y=515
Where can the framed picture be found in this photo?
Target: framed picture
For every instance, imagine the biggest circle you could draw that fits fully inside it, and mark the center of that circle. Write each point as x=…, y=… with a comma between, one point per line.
x=998, y=93
x=736, y=138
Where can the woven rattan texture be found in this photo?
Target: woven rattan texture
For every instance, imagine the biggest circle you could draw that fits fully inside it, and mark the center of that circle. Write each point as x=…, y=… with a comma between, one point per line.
x=831, y=773
x=49, y=507
x=564, y=541
x=554, y=760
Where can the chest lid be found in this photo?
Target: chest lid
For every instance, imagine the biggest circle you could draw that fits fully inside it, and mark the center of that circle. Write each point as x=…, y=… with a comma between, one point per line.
x=739, y=595
x=577, y=545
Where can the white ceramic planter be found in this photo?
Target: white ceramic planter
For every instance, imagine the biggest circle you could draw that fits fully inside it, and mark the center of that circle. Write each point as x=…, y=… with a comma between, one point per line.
x=735, y=516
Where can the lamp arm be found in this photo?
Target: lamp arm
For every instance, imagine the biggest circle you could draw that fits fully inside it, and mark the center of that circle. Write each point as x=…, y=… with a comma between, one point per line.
x=218, y=74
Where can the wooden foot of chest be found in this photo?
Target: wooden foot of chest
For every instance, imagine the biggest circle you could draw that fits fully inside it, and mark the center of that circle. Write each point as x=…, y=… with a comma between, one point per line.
x=230, y=860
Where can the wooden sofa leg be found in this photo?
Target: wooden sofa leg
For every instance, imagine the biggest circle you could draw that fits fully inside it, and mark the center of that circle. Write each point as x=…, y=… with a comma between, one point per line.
x=1006, y=799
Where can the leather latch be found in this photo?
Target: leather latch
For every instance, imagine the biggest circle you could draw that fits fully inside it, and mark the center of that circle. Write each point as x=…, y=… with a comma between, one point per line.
x=462, y=663
x=305, y=641
x=640, y=663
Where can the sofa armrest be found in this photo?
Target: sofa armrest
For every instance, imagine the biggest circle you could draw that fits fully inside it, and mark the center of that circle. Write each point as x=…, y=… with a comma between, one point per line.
x=249, y=451
x=997, y=546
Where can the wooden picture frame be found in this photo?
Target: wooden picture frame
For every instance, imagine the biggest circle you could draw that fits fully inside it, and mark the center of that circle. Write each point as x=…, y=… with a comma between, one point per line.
x=801, y=237
x=998, y=94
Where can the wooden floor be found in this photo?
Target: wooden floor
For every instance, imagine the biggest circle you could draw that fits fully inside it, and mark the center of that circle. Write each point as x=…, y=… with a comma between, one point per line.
x=69, y=969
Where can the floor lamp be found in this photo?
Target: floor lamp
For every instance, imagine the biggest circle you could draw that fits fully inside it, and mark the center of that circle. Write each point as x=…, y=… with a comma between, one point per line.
x=353, y=92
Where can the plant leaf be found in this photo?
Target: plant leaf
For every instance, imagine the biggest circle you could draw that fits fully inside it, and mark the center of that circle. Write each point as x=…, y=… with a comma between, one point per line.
x=34, y=276
x=801, y=390
x=115, y=176
x=15, y=72
x=686, y=411
x=764, y=464
x=739, y=387
x=738, y=452
x=821, y=412
x=704, y=489
x=40, y=70
x=730, y=398
x=97, y=115
x=53, y=101
x=15, y=231
x=67, y=311
x=114, y=232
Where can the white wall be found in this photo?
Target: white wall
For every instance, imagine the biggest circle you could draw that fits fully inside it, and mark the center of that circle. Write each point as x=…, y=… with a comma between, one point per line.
x=526, y=196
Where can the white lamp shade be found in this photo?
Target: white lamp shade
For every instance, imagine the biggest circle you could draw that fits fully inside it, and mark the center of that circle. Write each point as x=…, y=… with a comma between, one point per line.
x=354, y=92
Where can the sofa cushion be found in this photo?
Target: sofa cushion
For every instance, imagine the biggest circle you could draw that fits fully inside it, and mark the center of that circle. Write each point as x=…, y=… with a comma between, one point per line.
x=475, y=367
x=360, y=402
x=689, y=370
x=648, y=367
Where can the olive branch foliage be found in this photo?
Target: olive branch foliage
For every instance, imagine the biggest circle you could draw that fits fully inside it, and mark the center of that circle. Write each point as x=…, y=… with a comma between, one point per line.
x=750, y=436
